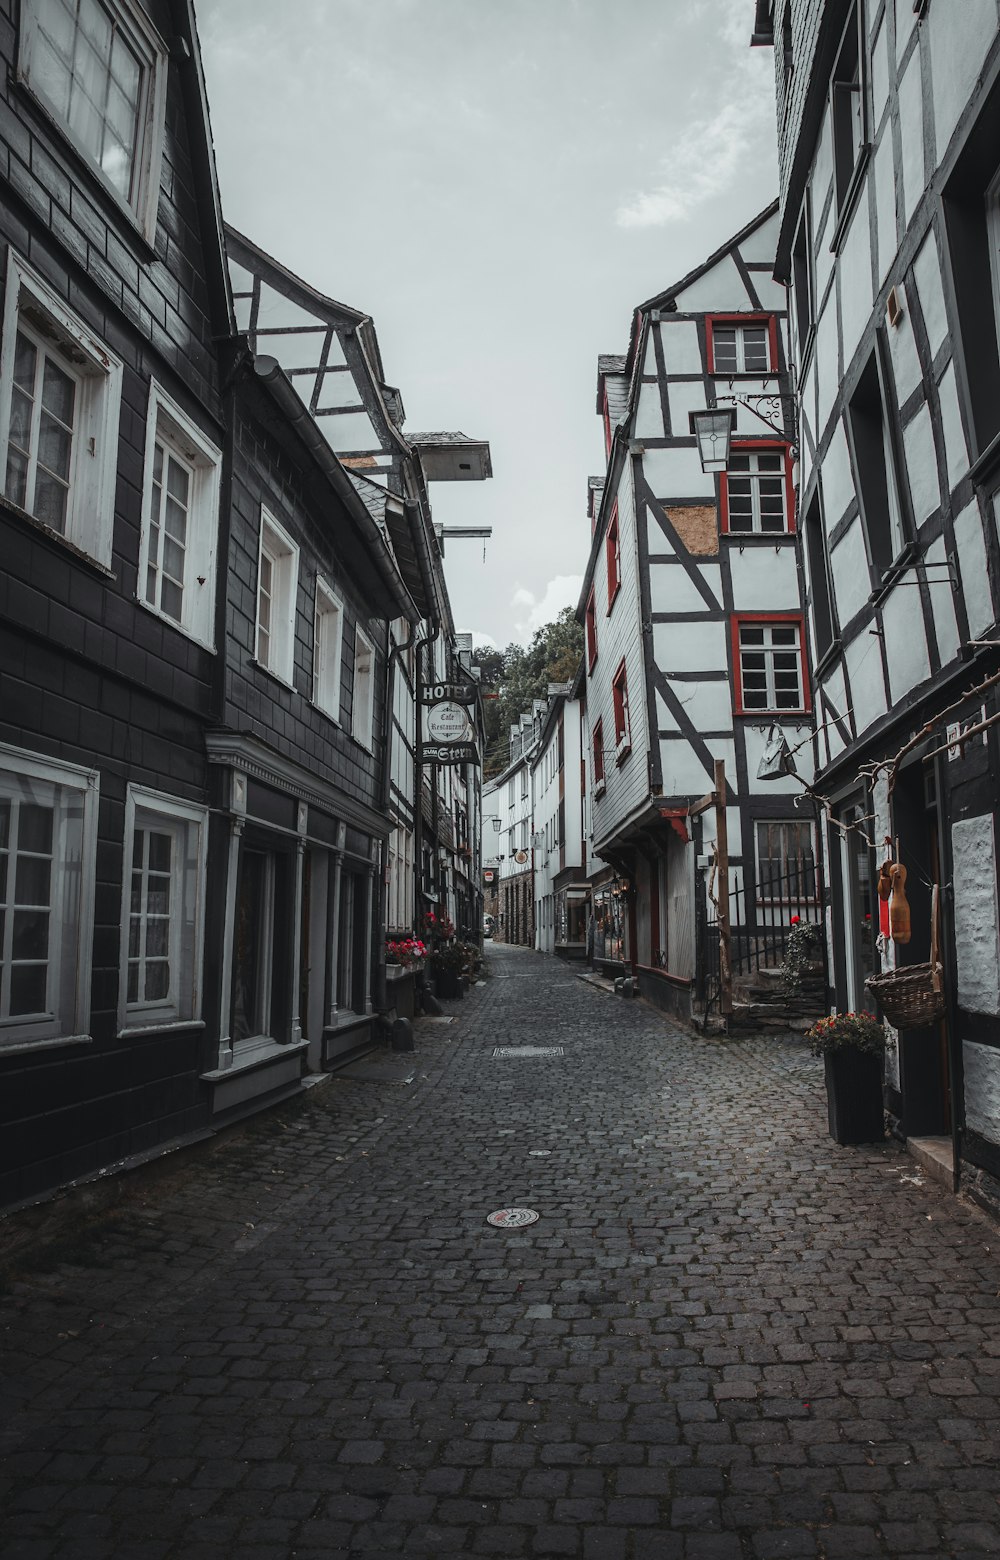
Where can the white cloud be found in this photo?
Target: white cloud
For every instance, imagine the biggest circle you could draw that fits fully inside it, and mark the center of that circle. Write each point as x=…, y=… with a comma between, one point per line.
x=480, y=639
x=711, y=154
x=531, y=611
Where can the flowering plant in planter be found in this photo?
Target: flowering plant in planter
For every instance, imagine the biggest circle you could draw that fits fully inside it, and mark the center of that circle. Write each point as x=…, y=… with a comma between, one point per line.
x=437, y=927
x=449, y=959
x=847, y=1031
x=803, y=952
x=407, y=951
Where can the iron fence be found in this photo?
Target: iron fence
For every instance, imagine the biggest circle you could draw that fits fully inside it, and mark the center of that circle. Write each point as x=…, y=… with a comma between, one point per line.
x=764, y=906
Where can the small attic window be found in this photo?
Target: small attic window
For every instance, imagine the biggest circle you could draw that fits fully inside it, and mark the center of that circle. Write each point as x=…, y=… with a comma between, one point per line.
x=465, y=465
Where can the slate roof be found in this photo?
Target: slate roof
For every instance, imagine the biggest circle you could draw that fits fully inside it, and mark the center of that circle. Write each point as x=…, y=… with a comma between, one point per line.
x=441, y=438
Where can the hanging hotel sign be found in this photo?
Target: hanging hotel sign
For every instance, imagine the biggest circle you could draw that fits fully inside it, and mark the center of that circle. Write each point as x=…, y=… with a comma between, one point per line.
x=459, y=693
x=449, y=753
x=448, y=722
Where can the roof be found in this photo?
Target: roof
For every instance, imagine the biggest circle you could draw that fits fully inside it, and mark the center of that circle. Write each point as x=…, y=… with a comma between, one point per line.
x=713, y=259
x=440, y=452
x=612, y=363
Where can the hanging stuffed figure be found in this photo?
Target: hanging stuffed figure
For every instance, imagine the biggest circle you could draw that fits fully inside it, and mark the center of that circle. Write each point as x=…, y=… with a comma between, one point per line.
x=899, y=910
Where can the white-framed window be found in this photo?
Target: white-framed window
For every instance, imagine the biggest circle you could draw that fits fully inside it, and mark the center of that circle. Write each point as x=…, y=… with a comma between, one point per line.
x=180, y=520
x=277, y=584
x=757, y=492
x=48, y=842
x=786, y=861
x=363, y=706
x=60, y=397
x=328, y=642
x=770, y=666
x=163, y=910
x=99, y=68
x=741, y=349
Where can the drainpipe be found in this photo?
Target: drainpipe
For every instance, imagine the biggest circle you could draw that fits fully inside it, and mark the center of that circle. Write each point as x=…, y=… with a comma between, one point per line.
x=433, y=629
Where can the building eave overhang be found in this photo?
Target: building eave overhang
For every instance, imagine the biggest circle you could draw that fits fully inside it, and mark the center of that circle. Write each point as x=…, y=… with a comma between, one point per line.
x=452, y=457
x=240, y=751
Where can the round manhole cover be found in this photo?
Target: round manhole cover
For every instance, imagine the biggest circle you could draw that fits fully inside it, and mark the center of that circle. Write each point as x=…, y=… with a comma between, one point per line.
x=512, y=1218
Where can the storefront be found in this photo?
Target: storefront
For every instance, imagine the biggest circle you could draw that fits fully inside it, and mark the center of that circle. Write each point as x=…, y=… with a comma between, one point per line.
x=610, y=923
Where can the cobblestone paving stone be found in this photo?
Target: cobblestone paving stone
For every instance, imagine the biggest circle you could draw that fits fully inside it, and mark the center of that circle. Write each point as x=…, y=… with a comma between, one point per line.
x=725, y=1339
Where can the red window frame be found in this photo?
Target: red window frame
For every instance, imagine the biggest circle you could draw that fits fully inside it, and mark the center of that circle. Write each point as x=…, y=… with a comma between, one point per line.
x=770, y=320
x=736, y=622
x=597, y=742
x=612, y=547
x=749, y=446
x=619, y=695
x=590, y=617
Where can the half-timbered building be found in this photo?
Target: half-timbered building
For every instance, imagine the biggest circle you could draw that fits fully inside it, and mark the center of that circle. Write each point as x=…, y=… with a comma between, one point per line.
x=692, y=613
x=888, y=118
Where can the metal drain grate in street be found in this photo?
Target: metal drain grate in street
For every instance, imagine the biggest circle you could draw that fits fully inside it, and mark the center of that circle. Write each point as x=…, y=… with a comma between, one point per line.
x=512, y=1218
x=506, y=1053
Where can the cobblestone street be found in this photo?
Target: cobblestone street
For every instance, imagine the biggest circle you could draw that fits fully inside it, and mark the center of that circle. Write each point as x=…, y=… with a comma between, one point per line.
x=724, y=1339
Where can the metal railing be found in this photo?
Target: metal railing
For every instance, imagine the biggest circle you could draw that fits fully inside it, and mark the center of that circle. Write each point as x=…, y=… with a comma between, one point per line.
x=763, y=908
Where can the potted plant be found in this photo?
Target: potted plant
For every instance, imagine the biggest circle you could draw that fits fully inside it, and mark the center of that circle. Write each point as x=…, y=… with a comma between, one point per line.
x=852, y=1046
x=803, y=954
x=445, y=964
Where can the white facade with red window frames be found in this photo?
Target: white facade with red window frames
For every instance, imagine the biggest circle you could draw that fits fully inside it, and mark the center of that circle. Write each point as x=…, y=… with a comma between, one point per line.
x=562, y=893
x=889, y=239
x=692, y=606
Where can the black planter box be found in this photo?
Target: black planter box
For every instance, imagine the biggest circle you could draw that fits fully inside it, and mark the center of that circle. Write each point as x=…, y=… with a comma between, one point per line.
x=854, y=1096
x=448, y=983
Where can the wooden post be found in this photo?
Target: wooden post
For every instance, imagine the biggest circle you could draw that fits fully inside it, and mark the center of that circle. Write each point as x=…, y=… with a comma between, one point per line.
x=722, y=890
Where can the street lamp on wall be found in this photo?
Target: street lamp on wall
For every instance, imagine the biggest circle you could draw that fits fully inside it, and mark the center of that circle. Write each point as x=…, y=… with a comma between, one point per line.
x=713, y=429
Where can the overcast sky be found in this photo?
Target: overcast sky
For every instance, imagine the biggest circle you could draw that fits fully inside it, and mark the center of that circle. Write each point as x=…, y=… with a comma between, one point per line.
x=497, y=183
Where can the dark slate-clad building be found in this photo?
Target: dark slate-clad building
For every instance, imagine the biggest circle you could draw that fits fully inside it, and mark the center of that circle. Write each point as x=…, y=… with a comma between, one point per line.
x=195, y=610
x=111, y=445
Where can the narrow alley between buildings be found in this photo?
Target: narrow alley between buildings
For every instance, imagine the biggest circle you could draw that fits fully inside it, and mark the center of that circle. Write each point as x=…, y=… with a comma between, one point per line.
x=725, y=1338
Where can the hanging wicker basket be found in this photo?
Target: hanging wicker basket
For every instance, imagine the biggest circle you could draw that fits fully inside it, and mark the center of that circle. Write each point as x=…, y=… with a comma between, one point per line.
x=908, y=997
x=912, y=997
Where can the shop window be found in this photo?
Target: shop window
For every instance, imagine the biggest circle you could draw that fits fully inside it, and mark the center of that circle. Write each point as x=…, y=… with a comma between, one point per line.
x=99, y=69
x=180, y=520
x=164, y=888
x=277, y=584
x=756, y=494
x=768, y=660
x=48, y=817
x=60, y=395
x=619, y=694
x=328, y=642
x=741, y=344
